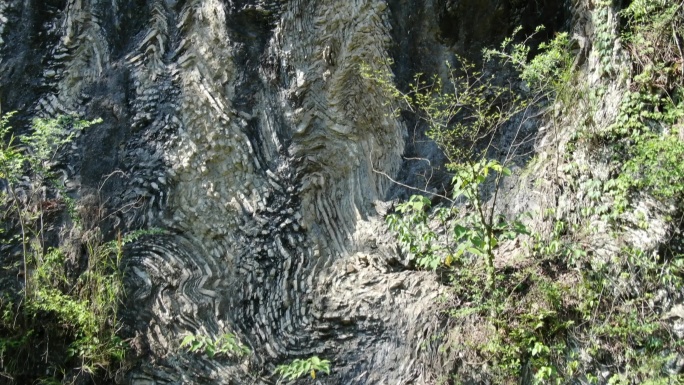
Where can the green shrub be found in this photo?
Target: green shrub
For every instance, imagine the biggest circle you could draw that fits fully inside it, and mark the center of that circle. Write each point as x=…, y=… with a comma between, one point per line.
x=652, y=34
x=63, y=324
x=301, y=367
x=560, y=314
x=226, y=344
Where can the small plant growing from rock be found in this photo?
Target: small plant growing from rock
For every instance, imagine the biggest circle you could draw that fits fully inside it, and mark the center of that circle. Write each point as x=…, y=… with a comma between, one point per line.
x=561, y=312
x=302, y=367
x=226, y=344
x=59, y=324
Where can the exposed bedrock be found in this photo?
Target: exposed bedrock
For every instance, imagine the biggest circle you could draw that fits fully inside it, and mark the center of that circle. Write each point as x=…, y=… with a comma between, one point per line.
x=244, y=129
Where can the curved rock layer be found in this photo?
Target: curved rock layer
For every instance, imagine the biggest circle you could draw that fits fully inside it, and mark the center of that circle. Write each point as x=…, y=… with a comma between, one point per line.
x=243, y=128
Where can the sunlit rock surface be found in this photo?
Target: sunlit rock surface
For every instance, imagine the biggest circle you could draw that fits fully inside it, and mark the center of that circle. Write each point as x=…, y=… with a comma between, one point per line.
x=244, y=129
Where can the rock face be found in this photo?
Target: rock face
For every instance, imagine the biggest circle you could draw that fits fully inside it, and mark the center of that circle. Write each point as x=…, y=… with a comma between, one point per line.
x=244, y=129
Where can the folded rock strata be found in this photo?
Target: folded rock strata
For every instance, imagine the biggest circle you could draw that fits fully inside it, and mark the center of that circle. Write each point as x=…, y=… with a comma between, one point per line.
x=244, y=129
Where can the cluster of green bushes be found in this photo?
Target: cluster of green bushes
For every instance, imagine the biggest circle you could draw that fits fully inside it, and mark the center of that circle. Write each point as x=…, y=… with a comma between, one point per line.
x=553, y=309
x=58, y=319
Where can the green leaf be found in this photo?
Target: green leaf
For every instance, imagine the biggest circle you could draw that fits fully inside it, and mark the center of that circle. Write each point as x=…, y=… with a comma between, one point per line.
x=494, y=242
x=187, y=340
x=476, y=251
x=196, y=345
x=210, y=350
x=460, y=232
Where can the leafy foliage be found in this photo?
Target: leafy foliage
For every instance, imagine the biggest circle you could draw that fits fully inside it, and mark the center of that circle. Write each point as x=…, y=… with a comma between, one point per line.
x=548, y=71
x=560, y=313
x=64, y=324
x=652, y=35
x=462, y=111
x=480, y=231
x=11, y=160
x=655, y=167
x=415, y=235
x=301, y=367
x=49, y=136
x=463, y=237
x=226, y=344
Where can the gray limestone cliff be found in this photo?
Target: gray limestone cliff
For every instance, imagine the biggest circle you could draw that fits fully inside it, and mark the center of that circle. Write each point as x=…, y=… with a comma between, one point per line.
x=245, y=130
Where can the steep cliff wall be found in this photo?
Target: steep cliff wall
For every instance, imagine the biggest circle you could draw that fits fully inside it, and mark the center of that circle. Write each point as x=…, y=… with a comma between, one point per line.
x=245, y=130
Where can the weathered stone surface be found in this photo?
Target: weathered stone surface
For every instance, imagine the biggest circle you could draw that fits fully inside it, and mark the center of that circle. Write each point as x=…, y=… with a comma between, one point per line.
x=245, y=130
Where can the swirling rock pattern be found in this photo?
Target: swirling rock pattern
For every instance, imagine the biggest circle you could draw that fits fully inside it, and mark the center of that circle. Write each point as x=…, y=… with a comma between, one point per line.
x=243, y=128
